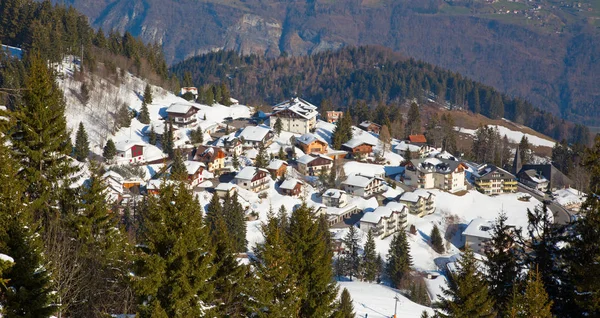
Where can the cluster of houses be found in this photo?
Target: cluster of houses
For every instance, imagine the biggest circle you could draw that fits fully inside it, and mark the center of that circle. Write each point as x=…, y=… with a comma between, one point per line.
x=427, y=169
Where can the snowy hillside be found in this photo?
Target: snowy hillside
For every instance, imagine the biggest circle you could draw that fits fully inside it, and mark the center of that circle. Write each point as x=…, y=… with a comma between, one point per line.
x=513, y=136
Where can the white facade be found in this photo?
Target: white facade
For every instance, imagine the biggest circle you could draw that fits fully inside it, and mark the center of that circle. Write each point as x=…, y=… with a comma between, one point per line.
x=385, y=220
x=335, y=198
x=434, y=173
x=363, y=186
x=296, y=115
x=477, y=234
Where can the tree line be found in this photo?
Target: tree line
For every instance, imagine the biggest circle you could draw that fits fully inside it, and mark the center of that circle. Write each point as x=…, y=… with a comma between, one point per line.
x=370, y=74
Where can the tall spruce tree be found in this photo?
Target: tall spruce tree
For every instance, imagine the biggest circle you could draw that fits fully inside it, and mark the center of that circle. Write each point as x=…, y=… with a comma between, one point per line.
x=312, y=261
x=533, y=302
x=41, y=142
x=262, y=159
x=351, y=257
x=342, y=132
x=214, y=210
x=436, y=240
x=370, y=265
x=278, y=126
x=467, y=295
x=235, y=219
x=110, y=150
x=152, y=138
x=399, y=260
x=178, y=169
x=144, y=116
x=82, y=145
x=413, y=121
x=279, y=291
x=583, y=253
x=25, y=285
x=148, y=94
x=345, y=308
x=174, y=268
x=503, y=263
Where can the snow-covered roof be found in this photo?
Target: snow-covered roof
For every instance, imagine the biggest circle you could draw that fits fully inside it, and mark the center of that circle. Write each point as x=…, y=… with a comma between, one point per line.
x=156, y=184
x=479, y=227
x=207, y=124
x=179, y=108
x=382, y=211
x=404, y=146
x=124, y=145
x=334, y=193
x=275, y=164
x=299, y=106
x=569, y=196
x=355, y=142
x=430, y=165
x=248, y=173
x=111, y=174
x=535, y=176
x=358, y=180
x=193, y=166
x=306, y=159
x=254, y=133
x=225, y=186
x=410, y=197
x=290, y=184
x=306, y=139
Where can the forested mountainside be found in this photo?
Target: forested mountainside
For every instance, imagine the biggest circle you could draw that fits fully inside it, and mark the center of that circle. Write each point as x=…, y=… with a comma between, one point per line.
x=370, y=74
x=54, y=32
x=544, y=50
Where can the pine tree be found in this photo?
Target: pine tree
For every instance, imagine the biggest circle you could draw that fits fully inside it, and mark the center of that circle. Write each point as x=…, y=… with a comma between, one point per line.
x=235, y=161
x=152, y=138
x=279, y=290
x=370, y=263
x=436, y=240
x=345, y=308
x=385, y=138
x=110, y=150
x=197, y=135
x=123, y=117
x=178, y=169
x=235, y=219
x=41, y=142
x=148, y=94
x=174, y=268
x=167, y=142
x=351, y=258
x=525, y=150
x=399, y=260
x=312, y=258
x=413, y=121
x=25, y=286
x=583, y=254
x=144, y=116
x=502, y=263
x=281, y=155
x=214, y=210
x=467, y=295
x=82, y=146
x=278, y=126
x=536, y=299
x=261, y=160
x=342, y=132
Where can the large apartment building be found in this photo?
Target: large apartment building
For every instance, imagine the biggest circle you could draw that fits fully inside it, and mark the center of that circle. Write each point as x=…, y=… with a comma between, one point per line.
x=491, y=180
x=434, y=173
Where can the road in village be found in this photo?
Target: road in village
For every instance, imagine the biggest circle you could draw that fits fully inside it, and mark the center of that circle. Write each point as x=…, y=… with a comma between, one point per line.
x=561, y=215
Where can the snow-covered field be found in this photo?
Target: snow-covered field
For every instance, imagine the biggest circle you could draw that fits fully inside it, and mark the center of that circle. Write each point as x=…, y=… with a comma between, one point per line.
x=513, y=136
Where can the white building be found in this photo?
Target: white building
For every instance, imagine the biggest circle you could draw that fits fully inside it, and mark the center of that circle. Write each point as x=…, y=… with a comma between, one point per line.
x=131, y=151
x=296, y=115
x=313, y=165
x=114, y=186
x=335, y=198
x=254, y=136
x=419, y=203
x=385, y=220
x=362, y=185
x=477, y=234
x=434, y=173
x=403, y=147
x=253, y=179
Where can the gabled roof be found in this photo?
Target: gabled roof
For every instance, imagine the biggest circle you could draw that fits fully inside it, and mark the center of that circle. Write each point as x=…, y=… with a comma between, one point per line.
x=225, y=186
x=534, y=176
x=306, y=159
x=382, y=211
x=307, y=139
x=208, y=153
x=435, y=165
x=290, y=184
x=486, y=172
x=367, y=124
x=192, y=166
x=299, y=106
x=179, y=108
x=249, y=172
x=556, y=178
x=275, y=164
x=410, y=197
x=358, y=180
x=334, y=193
x=355, y=142
x=125, y=145
x=417, y=139
x=479, y=227
x=254, y=133
x=404, y=146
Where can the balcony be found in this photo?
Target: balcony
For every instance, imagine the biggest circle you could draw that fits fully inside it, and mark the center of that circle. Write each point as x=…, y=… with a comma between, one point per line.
x=483, y=183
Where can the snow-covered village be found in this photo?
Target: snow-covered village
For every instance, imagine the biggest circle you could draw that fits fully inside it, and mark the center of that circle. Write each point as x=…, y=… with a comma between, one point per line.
x=279, y=158
x=347, y=183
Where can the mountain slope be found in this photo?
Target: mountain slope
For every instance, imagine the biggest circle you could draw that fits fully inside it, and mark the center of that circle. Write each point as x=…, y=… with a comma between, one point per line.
x=548, y=55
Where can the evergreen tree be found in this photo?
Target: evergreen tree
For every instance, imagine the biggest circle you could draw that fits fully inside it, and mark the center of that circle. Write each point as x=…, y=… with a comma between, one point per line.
x=525, y=150
x=167, y=142
x=413, y=121
x=235, y=219
x=197, y=136
x=123, y=117
x=144, y=116
x=147, y=95
x=467, y=295
x=110, y=150
x=312, y=262
x=278, y=126
x=503, y=263
x=178, y=169
x=436, y=240
x=345, y=308
x=399, y=260
x=209, y=97
x=235, y=161
x=214, y=210
x=370, y=263
x=385, y=138
x=41, y=142
x=352, y=258
x=281, y=155
x=342, y=132
x=82, y=146
x=280, y=293
x=534, y=301
x=583, y=254
x=152, y=138
x=262, y=159
x=174, y=268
